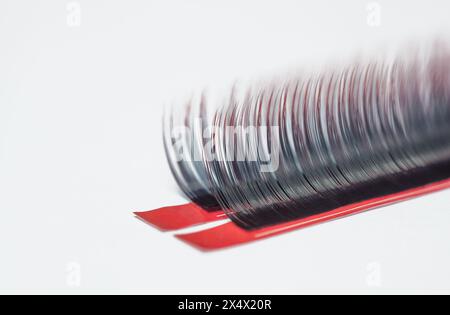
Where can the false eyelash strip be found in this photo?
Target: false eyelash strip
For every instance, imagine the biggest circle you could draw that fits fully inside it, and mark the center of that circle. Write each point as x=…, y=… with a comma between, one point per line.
x=229, y=234
x=311, y=149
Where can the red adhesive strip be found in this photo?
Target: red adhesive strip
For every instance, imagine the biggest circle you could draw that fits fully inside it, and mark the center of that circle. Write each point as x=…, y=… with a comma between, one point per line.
x=179, y=217
x=229, y=234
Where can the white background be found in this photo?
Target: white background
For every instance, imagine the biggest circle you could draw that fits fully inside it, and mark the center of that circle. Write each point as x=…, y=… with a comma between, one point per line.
x=81, y=95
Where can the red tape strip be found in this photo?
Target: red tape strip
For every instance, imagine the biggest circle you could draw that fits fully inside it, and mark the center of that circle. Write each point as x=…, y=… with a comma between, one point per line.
x=229, y=234
x=179, y=217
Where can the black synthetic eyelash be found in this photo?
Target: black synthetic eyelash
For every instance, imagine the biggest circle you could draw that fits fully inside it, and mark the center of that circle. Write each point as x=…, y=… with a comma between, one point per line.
x=342, y=136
